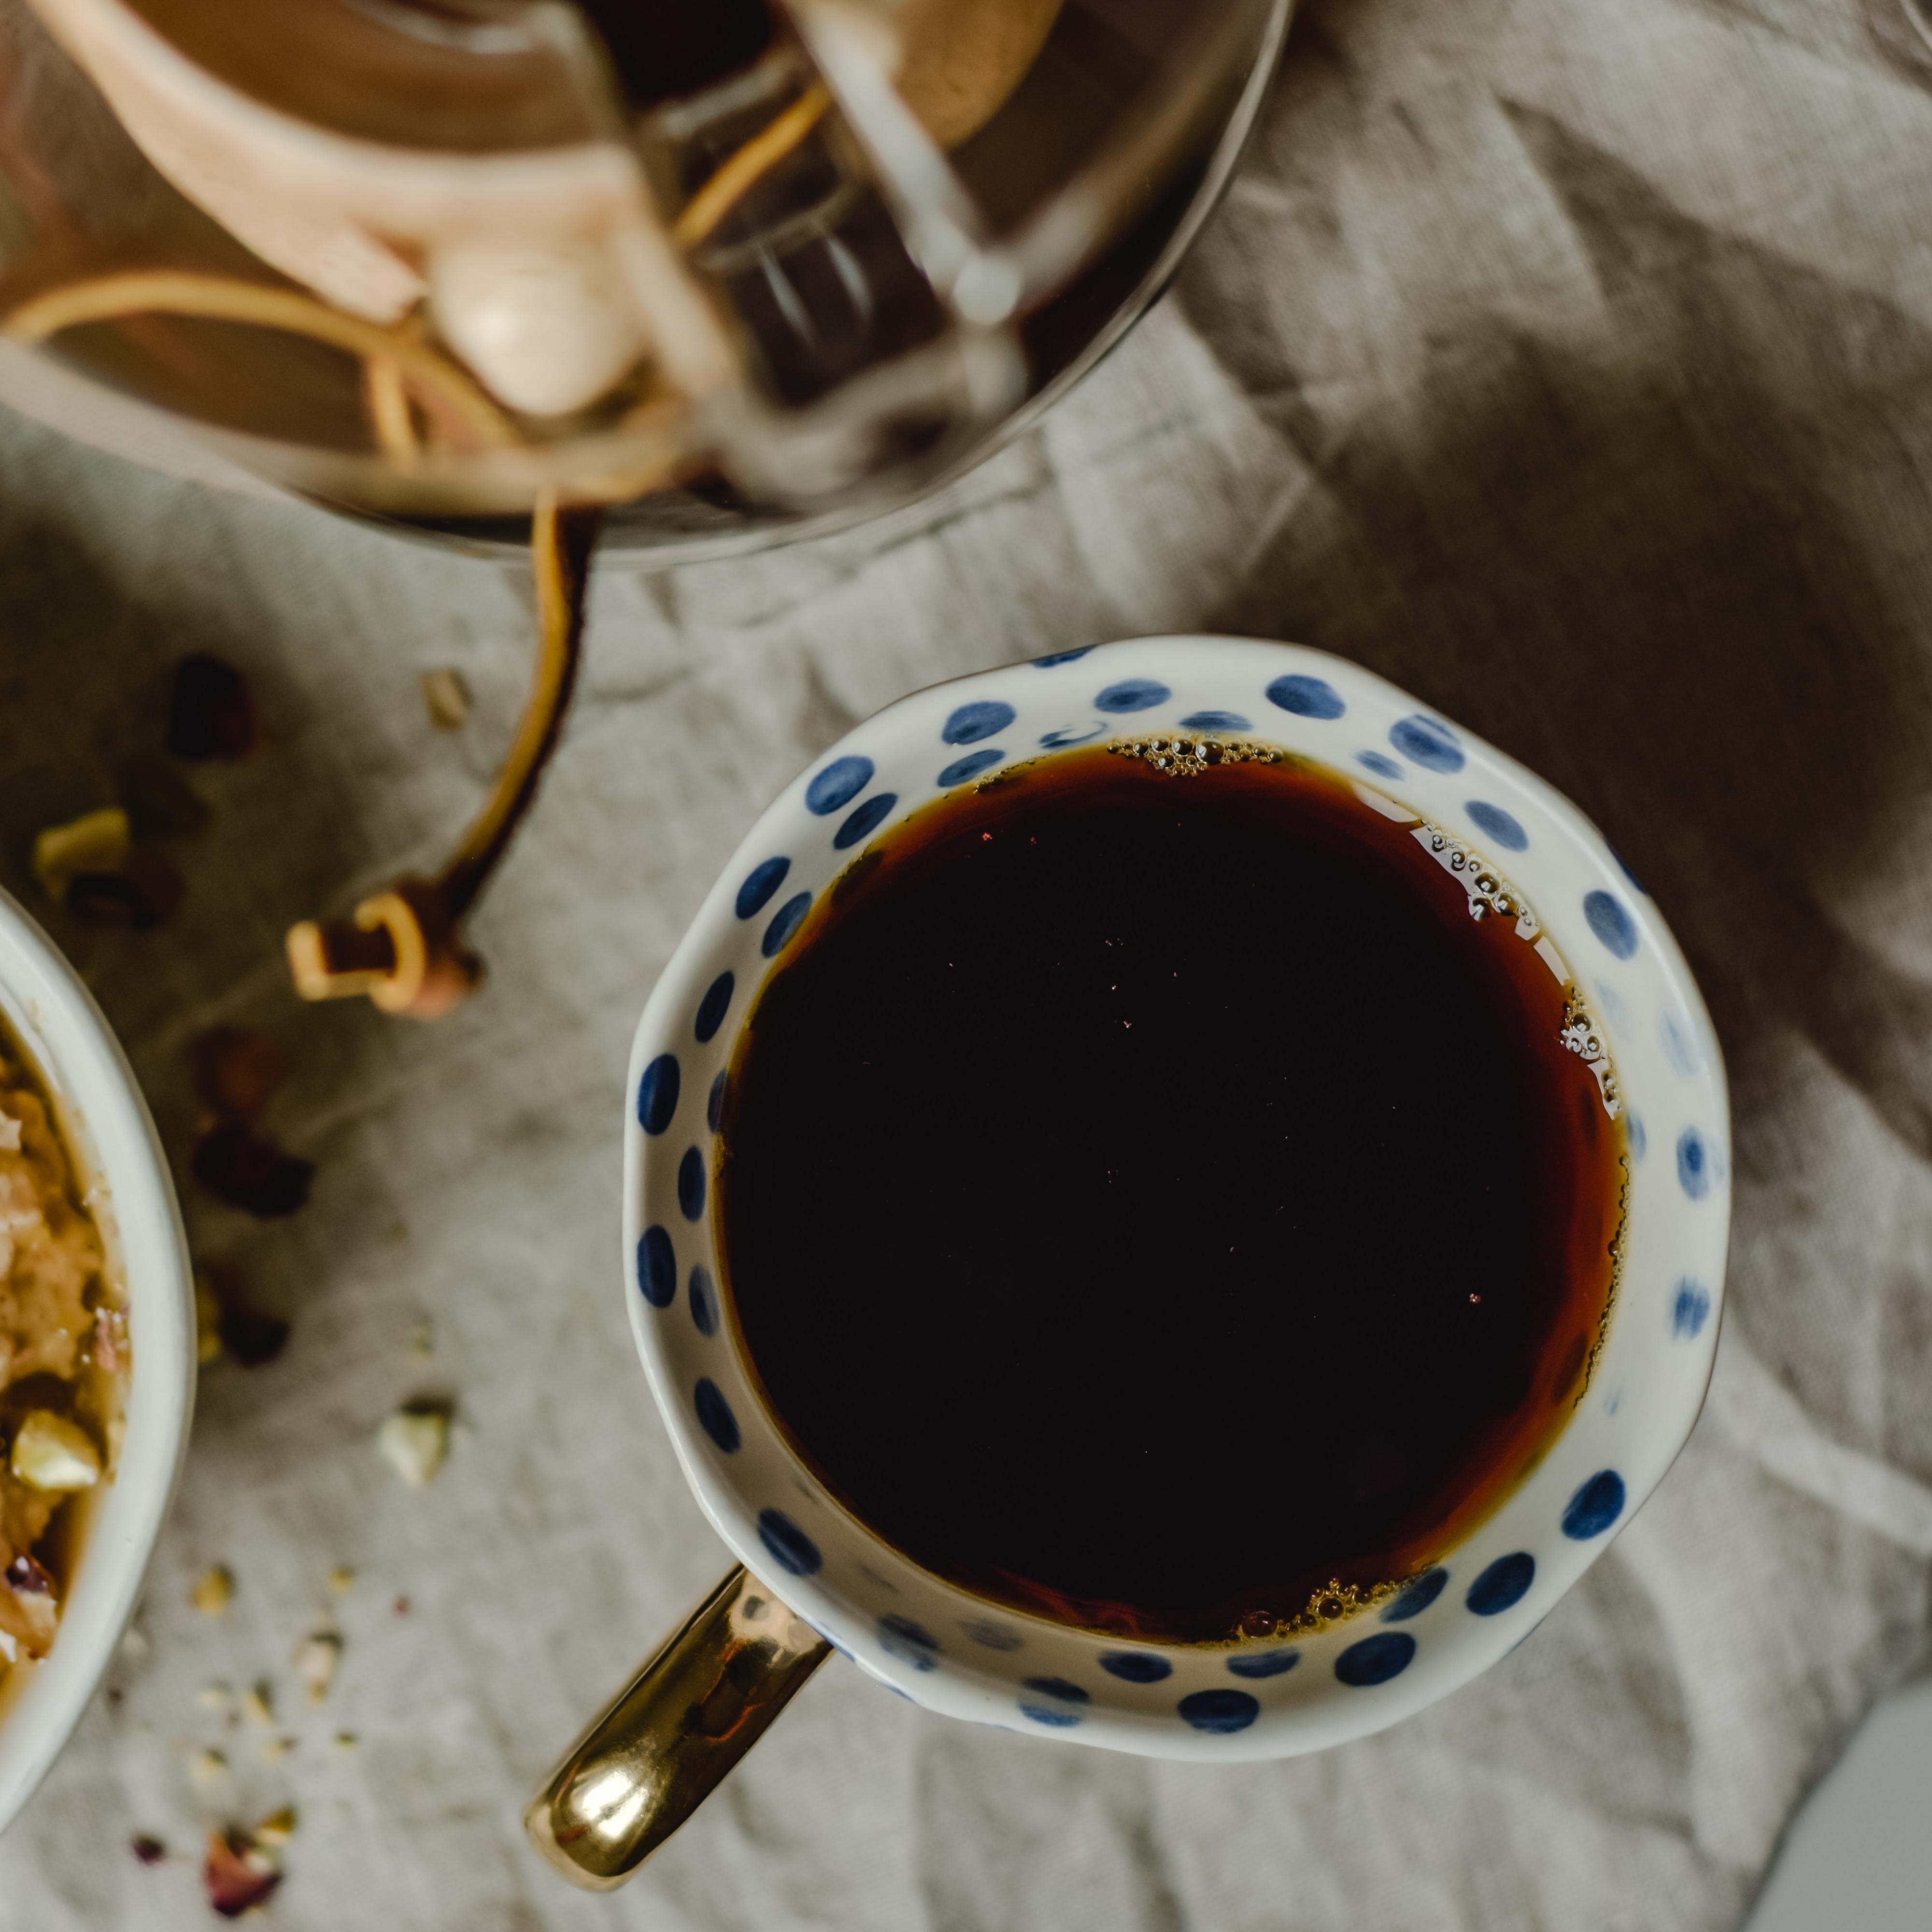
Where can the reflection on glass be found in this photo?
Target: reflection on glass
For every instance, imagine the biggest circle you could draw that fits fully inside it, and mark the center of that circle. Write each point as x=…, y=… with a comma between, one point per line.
x=734, y=271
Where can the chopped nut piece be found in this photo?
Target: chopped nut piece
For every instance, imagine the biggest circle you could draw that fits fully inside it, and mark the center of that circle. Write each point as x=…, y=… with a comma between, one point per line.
x=230, y=1325
x=236, y=1071
x=274, y=1750
x=161, y=804
x=414, y=1440
x=135, y=1644
x=236, y=1874
x=212, y=1594
x=207, y=1322
x=216, y=1696
x=10, y=1134
x=53, y=1452
x=342, y=1580
x=149, y=1851
x=277, y=1828
x=249, y=1171
x=315, y=1661
x=252, y=1337
x=446, y=698
x=258, y=1704
x=96, y=842
x=207, y=1767
x=211, y=710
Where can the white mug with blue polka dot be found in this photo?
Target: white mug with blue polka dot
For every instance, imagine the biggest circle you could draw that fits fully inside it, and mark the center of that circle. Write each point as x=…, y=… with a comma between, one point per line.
x=928, y=1639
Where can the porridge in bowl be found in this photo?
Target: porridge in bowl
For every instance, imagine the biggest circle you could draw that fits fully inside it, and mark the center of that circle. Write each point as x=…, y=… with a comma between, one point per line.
x=63, y=1366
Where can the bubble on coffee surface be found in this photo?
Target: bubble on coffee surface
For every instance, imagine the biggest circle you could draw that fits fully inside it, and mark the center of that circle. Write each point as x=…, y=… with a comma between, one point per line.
x=1184, y=756
x=1330, y=1603
x=1582, y=1037
x=1490, y=894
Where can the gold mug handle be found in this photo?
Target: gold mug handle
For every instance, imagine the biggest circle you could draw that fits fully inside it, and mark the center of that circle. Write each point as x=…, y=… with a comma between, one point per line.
x=661, y=1746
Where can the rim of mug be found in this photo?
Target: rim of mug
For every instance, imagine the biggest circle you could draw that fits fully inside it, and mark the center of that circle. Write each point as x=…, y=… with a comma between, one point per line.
x=111, y=1136
x=904, y=1625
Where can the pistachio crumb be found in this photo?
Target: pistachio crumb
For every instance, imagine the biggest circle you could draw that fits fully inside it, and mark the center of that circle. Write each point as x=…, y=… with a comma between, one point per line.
x=277, y=1828
x=213, y=1593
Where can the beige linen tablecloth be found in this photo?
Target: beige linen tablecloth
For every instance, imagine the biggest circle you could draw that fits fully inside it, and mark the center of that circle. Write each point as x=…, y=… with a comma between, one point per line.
x=1570, y=363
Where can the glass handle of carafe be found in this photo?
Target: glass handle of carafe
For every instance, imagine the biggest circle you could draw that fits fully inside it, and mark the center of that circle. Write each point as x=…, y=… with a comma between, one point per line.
x=662, y=1745
x=938, y=220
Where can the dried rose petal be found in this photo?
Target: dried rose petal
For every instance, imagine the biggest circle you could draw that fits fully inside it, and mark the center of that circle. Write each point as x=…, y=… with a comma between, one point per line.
x=235, y=1880
x=236, y=1071
x=25, y=1578
x=110, y=1341
x=149, y=1851
x=229, y=1324
x=159, y=802
x=251, y=1337
x=237, y=1165
x=141, y=894
x=211, y=710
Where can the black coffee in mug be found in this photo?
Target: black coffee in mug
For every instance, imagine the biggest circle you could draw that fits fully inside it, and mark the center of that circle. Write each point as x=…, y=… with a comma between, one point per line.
x=1149, y=1199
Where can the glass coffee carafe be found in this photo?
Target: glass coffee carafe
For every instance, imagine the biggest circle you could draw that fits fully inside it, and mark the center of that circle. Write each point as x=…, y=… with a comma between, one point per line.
x=730, y=272
x=679, y=277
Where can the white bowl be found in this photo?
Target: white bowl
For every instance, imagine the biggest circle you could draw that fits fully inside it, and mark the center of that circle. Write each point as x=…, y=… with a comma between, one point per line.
x=112, y=1139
